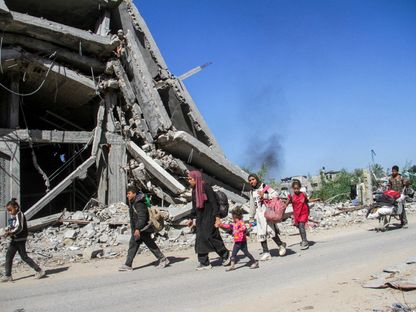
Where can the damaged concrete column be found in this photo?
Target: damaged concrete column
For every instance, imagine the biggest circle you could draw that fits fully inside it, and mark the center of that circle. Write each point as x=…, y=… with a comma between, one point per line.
x=14, y=102
x=117, y=156
x=117, y=178
x=9, y=175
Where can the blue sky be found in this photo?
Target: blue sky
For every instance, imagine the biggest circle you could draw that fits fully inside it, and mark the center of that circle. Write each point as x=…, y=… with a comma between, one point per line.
x=321, y=82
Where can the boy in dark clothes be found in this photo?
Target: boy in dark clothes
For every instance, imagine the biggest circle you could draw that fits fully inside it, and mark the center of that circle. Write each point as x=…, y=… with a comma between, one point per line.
x=141, y=231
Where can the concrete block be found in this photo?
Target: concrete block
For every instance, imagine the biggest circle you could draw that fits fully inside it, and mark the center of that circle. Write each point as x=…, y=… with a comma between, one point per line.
x=78, y=215
x=104, y=238
x=123, y=239
x=70, y=234
x=92, y=252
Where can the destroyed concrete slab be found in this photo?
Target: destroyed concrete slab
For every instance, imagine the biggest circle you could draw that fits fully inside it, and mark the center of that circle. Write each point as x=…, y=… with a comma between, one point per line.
x=155, y=169
x=72, y=38
x=81, y=14
x=46, y=136
x=69, y=58
x=189, y=149
x=3, y=8
x=38, y=224
x=176, y=213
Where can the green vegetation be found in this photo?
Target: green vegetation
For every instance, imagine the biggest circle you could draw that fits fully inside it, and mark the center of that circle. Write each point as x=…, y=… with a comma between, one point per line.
x=339, y=189
x=378, y=170
x=409, y=172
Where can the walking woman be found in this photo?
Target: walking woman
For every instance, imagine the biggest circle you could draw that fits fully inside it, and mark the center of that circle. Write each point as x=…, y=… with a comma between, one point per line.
x=265, y=229
x=206, y=212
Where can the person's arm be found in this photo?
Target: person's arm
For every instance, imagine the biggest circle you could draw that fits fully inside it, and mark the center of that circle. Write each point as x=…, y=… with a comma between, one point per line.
x=312, y=200
x=287, y=200
x=252, y=205
x=225, y=226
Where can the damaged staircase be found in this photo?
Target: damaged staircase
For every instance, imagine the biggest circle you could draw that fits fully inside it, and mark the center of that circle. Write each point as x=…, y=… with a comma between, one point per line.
x=88, y=106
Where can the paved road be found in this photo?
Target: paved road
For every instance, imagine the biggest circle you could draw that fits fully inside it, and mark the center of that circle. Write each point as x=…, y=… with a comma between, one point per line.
x=180, y=288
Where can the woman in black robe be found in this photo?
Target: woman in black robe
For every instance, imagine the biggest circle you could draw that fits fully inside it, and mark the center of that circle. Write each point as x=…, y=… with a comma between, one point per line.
x=206, y=212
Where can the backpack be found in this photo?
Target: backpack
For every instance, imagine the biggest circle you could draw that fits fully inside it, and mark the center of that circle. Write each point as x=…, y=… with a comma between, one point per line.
x=222, y=201
x=156, y=220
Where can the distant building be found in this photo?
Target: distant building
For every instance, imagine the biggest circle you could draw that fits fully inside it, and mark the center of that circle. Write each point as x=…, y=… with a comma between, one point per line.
x=286, y=183
x=310, y=184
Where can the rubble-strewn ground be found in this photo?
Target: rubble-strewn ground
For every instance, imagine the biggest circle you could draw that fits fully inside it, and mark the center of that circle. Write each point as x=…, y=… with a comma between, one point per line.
x=105, y=232
x=327, y=277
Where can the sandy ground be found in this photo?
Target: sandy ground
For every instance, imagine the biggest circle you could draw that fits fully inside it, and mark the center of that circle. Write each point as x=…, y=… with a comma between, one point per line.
x=327, y=277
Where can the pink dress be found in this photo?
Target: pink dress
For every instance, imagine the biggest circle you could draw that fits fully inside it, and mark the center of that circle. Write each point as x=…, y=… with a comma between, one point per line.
x=239, y=230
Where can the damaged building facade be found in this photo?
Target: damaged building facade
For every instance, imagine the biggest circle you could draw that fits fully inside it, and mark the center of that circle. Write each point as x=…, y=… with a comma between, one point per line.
x=88, y=106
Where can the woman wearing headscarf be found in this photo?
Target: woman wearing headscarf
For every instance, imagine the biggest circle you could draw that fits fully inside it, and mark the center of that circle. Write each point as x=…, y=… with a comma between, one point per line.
x=206, y=212
x=265, y=229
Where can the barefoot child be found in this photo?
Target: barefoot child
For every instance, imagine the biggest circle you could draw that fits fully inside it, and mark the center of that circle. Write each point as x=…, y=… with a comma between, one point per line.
x=300, y=205
x=18, y=232
x=239, y=230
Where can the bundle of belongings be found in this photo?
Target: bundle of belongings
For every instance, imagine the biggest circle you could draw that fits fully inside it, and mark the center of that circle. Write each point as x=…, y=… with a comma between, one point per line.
x=387, y=203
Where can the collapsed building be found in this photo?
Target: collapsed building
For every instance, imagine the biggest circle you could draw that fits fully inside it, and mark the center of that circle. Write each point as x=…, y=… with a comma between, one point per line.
x=88, y=106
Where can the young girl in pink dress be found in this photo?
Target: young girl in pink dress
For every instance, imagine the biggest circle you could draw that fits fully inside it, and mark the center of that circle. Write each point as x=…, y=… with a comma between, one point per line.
x=239, y=230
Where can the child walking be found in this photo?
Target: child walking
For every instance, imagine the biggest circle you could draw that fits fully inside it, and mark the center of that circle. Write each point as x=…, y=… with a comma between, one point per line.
x=300, y=205
x=239, y=230
x=18, y=233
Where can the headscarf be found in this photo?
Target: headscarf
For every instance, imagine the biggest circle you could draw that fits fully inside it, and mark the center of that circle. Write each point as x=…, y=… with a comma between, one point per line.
x=255, y=176
x=200, y=196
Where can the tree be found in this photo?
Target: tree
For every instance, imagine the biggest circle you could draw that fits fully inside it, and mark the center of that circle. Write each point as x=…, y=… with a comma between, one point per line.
x=339, y=189
x=378, y=170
